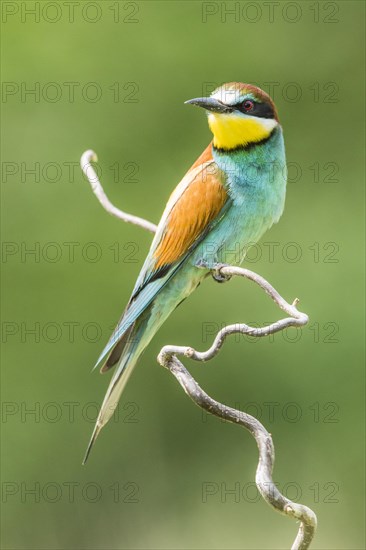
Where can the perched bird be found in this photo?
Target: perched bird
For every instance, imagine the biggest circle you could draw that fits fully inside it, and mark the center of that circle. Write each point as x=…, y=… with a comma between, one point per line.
x=231, y=195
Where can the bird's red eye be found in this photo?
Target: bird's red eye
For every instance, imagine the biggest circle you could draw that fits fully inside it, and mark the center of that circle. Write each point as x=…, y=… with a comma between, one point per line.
x=248, y=105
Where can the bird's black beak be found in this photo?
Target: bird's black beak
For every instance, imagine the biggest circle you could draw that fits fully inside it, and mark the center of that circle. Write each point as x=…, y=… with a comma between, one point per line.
x=210, y=104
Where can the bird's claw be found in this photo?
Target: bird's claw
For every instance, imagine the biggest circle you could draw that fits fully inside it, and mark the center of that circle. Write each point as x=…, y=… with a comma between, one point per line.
x=218, y=276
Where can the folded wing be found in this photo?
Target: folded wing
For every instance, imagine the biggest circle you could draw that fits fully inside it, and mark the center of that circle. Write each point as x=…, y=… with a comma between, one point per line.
x=195, y=206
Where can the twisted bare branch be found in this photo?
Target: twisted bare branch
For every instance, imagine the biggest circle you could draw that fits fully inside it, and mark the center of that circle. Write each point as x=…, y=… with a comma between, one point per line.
x=168, y=359
x=91, y=175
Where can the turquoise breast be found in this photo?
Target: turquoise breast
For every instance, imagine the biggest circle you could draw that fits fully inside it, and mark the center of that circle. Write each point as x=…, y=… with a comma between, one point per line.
x=255, y=179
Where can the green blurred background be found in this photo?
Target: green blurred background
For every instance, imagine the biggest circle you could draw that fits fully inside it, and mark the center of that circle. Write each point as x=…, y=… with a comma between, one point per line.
x=163, y=475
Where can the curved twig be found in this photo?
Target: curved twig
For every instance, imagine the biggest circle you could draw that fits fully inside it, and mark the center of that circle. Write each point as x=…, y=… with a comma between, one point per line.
x=168, y=359
x=297, y=319
x=91, y=175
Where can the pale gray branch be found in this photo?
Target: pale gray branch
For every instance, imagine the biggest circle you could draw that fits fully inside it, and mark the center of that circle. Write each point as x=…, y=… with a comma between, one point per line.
x=85, y=163
x=168, y=359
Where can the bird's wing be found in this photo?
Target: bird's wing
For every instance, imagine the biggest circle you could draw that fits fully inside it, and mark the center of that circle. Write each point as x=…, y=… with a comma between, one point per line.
x=180, y=217
x=195, y=206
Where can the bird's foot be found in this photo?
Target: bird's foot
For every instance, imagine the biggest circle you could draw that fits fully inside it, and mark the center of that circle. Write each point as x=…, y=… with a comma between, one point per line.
x=217, y=274
x=215, y=269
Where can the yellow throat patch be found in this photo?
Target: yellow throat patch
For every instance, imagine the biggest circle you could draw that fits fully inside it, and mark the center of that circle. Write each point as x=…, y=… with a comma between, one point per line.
x=231, y=131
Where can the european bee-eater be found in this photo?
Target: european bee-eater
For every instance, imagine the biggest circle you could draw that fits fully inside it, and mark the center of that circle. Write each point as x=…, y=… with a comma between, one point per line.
x=231, y=195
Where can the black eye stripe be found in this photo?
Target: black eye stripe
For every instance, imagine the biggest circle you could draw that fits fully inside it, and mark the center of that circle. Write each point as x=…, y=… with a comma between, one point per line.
x=263, y=110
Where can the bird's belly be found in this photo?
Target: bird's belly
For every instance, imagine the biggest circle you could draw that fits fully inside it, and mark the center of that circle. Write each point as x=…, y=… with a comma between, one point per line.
x=230, y=240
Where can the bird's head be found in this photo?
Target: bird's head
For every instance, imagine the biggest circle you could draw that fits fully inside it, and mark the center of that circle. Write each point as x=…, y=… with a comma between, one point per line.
x=238, y=115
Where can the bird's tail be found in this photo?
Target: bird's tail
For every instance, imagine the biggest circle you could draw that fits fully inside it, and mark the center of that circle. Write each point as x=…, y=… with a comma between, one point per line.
x=124, y=352
x=138, y=338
